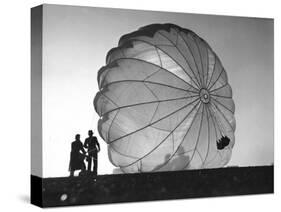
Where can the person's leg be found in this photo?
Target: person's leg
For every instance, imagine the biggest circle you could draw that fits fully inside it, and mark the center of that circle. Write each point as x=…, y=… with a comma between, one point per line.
x=89, y=162
x=95, y=163
x=82, y=172
x=83, y=168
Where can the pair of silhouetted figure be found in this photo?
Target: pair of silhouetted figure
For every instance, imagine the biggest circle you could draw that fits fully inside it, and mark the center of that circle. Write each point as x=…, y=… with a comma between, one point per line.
x=222, y=142
x=78, y=154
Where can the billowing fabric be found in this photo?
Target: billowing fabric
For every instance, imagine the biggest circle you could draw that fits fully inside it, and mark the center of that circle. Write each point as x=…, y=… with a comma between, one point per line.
x=164, y=102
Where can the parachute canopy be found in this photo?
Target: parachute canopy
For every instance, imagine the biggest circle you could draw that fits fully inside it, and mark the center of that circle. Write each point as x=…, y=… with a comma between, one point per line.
x=164, y=102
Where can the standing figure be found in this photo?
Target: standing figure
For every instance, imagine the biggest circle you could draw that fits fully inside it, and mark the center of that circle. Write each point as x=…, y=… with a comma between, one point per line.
x=77, y=156
x=91, y=143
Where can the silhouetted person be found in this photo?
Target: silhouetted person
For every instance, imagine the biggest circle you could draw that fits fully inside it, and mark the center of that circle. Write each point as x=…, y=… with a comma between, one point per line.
x=77, y=156
x=222, y=142
x=91, y=143
x=179, y=161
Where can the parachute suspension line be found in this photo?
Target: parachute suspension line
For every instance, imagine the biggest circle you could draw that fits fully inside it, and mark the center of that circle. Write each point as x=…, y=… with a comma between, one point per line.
x=218, y=152
x=222, y=70
x=159, y=57
x=200, y=59
x=207, y=68
x=144, y=80
x=192, y=122
x=211, y=91
x=156, y=121
x=222, y=134
x=176, y=44
x=151, y=91
x=197, y=140
x=154, y=113
x=171, y=58
x=208, y=133
x=226, y=97
x=153, y=64
x=217, y=122
x=165, y=137
x=198, y=85
x=223, y=105
x=110, y=100
x=173, y=140
x=150, y=102
x=139, y=166
x=185, y=42
x=123, y=171
x=227, y=121
x=197, y=81
x=213, y=121
x=155, y=97
x=152, y=82
x=214, y=68
x=202, y=69
x=109, y=129
x=200, y=156
x=203, y=115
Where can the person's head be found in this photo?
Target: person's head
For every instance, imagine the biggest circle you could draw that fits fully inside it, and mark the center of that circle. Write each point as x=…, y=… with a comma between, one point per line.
x=90, y=133
x=77, y=137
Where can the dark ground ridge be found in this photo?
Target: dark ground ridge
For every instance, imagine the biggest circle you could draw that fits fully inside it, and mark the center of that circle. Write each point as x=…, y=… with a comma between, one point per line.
x=65, y=191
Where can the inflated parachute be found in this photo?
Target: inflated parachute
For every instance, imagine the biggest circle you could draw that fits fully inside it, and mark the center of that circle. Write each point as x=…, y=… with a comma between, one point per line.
x=164, y=102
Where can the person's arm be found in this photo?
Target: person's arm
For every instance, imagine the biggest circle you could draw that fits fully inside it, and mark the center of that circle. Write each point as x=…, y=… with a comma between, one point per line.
x=82, y=149
x=86, y=143
x=98, y=144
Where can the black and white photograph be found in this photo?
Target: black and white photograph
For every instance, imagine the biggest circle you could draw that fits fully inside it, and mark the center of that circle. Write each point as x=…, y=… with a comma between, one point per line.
x=134, y=105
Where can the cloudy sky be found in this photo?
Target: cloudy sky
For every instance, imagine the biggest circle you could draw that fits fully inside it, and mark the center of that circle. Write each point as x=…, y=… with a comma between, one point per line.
x=75, y=43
